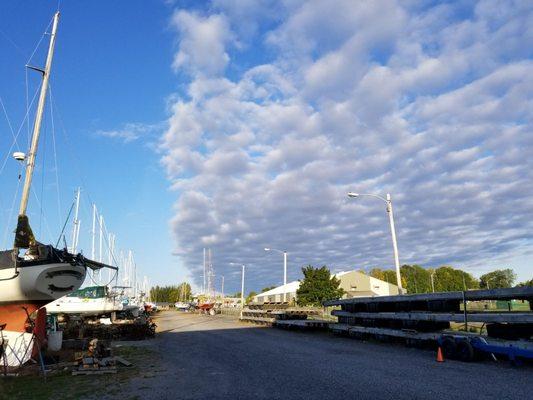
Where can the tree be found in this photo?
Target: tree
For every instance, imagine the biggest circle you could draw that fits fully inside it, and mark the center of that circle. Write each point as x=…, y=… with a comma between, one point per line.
x=501, y=278
x=250, y=297
x=266, y=289
x=171, y=294
x=417, y=279
x=526, y=283
x=318, y=286
x=449, y=279
x=387, y=275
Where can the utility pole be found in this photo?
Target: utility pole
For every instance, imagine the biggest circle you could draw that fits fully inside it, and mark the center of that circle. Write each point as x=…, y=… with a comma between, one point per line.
x=222, y=290
x=388, y=201
x=203, y=287
x=242, y=288
x=284, y=276
x=394, y=243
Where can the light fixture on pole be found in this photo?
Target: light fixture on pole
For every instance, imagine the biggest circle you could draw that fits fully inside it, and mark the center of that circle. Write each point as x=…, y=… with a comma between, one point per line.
x=284, y=271
x=242, y=283
x=388, y=201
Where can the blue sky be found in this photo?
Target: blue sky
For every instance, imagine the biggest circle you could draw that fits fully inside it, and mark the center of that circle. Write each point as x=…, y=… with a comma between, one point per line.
x=110, y=66
x=241, y=124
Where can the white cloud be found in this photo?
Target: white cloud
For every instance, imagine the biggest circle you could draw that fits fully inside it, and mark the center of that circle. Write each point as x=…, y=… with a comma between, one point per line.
x=424, y=103
x=133, y=131
x=202, y=42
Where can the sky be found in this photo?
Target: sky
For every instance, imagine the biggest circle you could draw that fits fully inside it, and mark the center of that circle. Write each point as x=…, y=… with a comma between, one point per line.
x=238, y=125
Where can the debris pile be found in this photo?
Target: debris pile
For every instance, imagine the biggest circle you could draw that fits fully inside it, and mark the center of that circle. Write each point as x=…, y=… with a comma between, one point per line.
x=98, y=360
x=138, y=328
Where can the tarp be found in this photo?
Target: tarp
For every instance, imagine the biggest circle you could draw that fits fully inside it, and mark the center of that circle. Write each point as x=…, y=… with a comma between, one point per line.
x=7, y=259
x=24, y=235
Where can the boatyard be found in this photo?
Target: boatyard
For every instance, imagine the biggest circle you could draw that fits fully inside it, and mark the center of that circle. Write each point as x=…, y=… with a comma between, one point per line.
x=200, y=356
x=238, y=199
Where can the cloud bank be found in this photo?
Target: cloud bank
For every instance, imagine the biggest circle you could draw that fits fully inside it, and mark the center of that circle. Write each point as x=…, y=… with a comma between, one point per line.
x=287, y=106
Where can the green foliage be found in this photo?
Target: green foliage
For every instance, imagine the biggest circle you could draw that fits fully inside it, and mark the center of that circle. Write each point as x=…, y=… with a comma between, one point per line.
x=387, y=275
x=250, y=297
x=417, y=279
x=171, y=294
x=318, y=286
x=526, y=283
x=236, y=295
x=266, y=289
x=449, y=279
x=500, y=278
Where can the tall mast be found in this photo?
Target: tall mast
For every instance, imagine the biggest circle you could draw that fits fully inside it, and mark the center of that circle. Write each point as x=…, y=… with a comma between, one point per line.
x=75, y=229
x=38, y=119
x=100, y=254
x=93, y=233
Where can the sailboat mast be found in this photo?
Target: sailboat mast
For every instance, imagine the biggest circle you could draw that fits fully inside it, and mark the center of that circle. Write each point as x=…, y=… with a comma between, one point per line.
x=93, y=233
x=38, y=119
x=75, y=229
x=100, y=238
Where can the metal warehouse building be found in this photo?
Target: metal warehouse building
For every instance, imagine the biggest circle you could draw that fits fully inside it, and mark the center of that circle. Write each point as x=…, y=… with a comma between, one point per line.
x=354, y=283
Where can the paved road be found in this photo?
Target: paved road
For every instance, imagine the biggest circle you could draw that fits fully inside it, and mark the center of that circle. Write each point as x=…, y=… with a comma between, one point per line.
x=219, y=358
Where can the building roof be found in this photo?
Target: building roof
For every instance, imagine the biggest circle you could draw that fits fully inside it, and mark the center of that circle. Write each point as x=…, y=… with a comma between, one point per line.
x=293, y=286
x=290, y=287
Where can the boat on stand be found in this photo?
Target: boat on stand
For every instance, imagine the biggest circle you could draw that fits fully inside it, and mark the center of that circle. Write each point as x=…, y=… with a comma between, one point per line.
x=33, y=274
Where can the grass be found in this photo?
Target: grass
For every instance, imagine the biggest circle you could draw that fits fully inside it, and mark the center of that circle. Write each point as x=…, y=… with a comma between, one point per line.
x=64, y=386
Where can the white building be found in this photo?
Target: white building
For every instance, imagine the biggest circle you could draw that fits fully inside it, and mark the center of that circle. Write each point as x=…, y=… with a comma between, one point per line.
x=354, y=283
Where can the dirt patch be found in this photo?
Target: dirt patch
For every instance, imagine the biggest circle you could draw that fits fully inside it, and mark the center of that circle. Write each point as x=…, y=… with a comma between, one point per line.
x=62, y=385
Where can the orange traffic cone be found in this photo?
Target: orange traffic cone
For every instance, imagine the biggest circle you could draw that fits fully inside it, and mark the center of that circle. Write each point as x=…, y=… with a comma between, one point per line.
x=440, y=358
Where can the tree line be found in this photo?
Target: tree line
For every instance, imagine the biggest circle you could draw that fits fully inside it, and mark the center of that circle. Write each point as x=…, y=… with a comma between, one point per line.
x=318, y=285
x=172, y=293
x=417, y=279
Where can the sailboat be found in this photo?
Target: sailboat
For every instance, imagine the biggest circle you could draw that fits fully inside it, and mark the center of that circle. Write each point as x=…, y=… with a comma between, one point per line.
x=31, y=279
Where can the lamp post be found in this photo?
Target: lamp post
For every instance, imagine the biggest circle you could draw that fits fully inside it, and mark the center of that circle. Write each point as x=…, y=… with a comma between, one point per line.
x=222, y=290
x=388, y=201
x=284, y=270
x=242, y=283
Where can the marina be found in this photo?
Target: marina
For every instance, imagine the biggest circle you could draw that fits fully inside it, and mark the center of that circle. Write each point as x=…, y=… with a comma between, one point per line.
x=265, y=200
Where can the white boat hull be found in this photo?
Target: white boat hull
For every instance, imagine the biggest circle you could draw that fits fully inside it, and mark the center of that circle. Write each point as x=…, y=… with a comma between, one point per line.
x=45, y=282
x=83, y=306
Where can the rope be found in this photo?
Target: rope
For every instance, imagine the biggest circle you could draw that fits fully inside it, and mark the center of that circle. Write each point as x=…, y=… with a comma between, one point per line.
x=9, y=123
x=43, y=175
x=79, y=173
x=18, y=133
x=40, y=40
x=55, y=155
x=13, y=205
x=65, y=224
x=44, y=216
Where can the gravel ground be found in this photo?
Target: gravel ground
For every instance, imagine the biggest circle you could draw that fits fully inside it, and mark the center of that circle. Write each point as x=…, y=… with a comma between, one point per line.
x=202, y=357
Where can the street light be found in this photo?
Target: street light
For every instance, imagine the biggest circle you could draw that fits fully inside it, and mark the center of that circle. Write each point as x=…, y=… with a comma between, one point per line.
x=388, y=201
x=242, y=283
x=284, y=270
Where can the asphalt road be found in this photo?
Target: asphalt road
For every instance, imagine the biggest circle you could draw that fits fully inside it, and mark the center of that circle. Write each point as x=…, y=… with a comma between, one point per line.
x=217, y=357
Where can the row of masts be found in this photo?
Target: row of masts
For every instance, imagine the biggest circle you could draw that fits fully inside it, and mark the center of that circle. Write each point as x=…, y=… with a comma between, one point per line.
x=24, y=236
x=100, y=238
